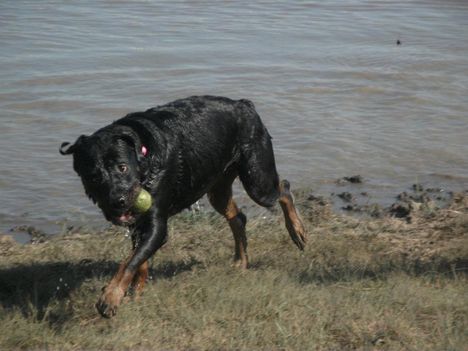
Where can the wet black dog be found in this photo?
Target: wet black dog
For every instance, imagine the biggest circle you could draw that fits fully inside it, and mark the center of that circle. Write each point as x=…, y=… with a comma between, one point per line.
x=178, y=152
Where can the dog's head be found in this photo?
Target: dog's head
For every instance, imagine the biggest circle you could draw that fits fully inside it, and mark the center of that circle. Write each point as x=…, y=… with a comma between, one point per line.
x=108, y=164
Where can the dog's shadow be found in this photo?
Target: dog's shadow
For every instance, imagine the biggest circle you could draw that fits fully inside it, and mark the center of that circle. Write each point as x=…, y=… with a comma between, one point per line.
x=31, y=288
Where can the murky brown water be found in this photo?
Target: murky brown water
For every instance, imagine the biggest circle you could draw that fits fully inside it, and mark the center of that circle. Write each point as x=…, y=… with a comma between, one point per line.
x=336, y=92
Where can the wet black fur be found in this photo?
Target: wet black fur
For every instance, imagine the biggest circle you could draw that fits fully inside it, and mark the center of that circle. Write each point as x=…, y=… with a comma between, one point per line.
x=192, y=143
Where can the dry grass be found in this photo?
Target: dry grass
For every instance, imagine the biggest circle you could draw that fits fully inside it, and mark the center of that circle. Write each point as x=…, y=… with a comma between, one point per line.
x=367, y=284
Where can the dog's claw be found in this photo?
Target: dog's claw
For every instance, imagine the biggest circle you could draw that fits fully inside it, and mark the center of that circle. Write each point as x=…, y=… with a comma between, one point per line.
x=105, y=310
x=297, y=233
x=300, y=241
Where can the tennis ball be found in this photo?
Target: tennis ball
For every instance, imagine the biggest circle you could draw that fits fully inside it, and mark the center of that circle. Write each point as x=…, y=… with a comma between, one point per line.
x=143, y=201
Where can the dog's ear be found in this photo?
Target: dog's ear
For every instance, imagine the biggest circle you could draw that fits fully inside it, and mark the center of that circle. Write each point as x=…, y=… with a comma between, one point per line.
x=132, y=140
x=67, y=149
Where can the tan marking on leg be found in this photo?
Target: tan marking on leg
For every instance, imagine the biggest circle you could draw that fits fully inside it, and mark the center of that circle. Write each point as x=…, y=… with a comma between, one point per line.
x=139, y=280
x=294, y=224
x=114, y=292
x=237, y=226
x=231, y=211
x=118, y=276
x=220, y=197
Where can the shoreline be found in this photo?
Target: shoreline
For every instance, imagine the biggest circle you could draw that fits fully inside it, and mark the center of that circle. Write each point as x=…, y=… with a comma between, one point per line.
x=348, y=195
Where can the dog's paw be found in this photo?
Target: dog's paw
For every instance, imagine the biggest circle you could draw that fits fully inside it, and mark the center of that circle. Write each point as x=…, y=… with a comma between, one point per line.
x=240, y=264
x=110, y=299
x=298, y=234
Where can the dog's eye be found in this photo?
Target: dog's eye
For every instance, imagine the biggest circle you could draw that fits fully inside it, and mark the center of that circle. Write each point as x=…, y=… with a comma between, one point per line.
x=123, y=168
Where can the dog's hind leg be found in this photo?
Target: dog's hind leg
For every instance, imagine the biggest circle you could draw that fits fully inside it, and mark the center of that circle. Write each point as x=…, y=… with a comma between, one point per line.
x=220, y=197
x=293, y=221
x=257, y=172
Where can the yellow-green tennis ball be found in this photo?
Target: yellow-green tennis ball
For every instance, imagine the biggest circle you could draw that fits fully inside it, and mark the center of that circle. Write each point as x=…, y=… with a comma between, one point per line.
x=143, y=201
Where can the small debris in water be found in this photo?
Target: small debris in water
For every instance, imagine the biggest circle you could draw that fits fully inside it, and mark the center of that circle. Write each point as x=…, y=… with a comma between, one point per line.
x=346, y=196
x=400, y=209
x=352, y=207
x=317, y=199
x=355, y=179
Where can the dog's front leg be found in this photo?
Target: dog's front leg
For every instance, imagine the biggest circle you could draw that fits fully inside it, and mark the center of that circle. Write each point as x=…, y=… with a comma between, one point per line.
x=153, y=233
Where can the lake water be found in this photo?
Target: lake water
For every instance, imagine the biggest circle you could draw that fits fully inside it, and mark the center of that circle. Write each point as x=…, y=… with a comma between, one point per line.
x=337, y=93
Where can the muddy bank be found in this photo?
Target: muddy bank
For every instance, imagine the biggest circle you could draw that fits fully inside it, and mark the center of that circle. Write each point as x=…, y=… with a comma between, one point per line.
x=348, y=196
x=421, y=220
x=416, y=198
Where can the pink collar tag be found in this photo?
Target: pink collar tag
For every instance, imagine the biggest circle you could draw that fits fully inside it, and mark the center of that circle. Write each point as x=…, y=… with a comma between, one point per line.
x=144, y=150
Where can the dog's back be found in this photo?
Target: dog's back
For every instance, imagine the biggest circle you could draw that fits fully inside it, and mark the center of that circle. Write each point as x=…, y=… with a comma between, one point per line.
x=198, y=139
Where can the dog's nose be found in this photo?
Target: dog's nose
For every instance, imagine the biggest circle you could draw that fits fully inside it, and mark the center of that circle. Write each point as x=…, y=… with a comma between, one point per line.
x=122, y=201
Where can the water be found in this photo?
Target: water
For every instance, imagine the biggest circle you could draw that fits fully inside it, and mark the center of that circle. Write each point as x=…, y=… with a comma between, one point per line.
x=336, y=92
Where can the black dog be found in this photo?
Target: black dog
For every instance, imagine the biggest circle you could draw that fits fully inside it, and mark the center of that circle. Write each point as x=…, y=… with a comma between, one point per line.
x=178, y=152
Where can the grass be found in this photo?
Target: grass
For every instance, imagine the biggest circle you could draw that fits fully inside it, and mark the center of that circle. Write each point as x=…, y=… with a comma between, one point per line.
x=361, y=283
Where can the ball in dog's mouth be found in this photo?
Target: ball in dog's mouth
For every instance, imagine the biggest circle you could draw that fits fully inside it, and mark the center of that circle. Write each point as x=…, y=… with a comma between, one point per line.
x=142, y=204
x=143, y=201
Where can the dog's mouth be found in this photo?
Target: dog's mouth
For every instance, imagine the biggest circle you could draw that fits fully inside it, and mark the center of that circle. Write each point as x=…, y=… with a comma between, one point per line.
x=123, y=216
x=124, y=219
